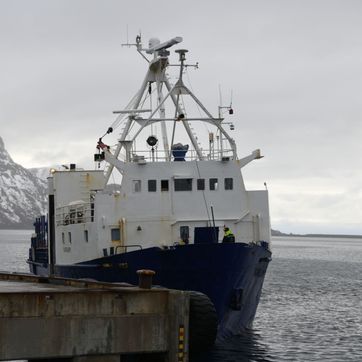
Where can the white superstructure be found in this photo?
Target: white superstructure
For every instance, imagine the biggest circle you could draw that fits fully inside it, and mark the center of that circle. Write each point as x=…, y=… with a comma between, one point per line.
x=171, y=185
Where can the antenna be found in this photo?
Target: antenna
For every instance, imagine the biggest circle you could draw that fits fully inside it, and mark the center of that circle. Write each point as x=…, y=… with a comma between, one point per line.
x=165, y=45
x=221, y=107
x=136, y=44
x=228, y=108
x=220, y=95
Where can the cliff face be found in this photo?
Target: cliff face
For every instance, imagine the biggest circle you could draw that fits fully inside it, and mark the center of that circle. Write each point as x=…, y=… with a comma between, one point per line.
x=22, y=193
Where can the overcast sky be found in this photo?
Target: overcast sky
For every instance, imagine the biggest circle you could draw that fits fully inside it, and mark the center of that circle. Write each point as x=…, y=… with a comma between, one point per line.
x=295, y=69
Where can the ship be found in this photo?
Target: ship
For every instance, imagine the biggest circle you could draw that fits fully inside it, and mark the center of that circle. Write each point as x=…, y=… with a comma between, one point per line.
x=179, y=208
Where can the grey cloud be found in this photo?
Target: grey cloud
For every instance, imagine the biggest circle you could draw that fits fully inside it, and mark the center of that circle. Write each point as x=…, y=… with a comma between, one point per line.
x=293, y=66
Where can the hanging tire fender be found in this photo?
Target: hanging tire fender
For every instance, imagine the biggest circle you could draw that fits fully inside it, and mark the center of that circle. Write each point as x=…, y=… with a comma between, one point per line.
x=202, y=322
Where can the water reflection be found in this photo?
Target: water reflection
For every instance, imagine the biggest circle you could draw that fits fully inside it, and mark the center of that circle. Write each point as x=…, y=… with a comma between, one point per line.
x=248, y=347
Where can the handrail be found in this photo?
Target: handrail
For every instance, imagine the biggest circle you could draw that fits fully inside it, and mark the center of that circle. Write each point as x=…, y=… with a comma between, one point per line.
x=191, y=155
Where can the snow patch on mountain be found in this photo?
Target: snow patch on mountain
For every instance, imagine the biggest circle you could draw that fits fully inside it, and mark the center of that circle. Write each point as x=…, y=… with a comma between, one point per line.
x=23, y=195
x=41, y=172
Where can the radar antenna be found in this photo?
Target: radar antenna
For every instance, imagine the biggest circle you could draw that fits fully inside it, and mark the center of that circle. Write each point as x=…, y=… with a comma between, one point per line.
x=167, y=44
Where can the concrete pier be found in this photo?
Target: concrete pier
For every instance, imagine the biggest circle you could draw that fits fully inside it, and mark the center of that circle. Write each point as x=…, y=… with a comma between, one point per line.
x=84, y=321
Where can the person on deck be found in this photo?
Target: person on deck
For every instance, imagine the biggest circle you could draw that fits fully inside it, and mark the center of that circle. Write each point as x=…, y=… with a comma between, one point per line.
x=228, y=236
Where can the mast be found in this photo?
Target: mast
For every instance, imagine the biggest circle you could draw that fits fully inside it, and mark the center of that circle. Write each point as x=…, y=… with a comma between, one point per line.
x=132, y=105
x=156, y=73
x=160, y=76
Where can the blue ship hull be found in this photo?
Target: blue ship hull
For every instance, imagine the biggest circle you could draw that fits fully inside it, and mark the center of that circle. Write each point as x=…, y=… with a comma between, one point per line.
x=230, y=274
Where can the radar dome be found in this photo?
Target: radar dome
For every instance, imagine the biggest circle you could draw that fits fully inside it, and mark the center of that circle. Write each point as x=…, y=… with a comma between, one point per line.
x=153, y=42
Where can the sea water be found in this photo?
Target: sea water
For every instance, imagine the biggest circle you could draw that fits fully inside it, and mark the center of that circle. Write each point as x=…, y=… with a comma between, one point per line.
x=14, y=250
x=310, y=309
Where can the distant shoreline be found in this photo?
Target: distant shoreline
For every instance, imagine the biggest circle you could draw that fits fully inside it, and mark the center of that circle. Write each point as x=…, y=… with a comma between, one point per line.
x=279, y=233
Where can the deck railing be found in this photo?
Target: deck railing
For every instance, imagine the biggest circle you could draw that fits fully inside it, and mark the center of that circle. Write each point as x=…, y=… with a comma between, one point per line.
x=163, y=156
x=77, y=213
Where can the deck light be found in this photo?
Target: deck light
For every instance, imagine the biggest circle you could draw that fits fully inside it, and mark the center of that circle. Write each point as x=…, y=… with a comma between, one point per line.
x=152, y=141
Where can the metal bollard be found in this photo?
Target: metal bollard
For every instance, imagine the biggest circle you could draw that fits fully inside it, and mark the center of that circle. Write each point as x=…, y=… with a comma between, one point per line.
x=145, y=278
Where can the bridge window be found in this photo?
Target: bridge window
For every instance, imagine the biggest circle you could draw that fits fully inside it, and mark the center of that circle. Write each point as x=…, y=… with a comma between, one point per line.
x=152, y=186
x=213, y=184
x=115, y=234
x=136, y=186
x=201, y=184
x=86, y=236
x=70, y=236
x=228, y=183
x=183, y=184
x=63, y=238
x=164, y=185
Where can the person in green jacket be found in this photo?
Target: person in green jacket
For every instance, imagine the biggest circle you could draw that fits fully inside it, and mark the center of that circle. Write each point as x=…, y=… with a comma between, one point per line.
x=228, y=236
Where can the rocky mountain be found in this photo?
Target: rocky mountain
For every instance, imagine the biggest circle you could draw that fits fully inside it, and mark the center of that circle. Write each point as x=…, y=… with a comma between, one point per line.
x=22, y=193
x=41, y=172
